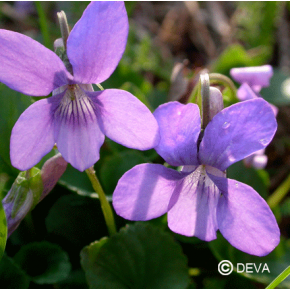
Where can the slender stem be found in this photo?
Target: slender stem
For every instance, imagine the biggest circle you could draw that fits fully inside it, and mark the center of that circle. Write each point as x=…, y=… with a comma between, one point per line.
x=220, y=79
x=100, y=87
x=106, y=208
x=43, y=23
x=204, y=81
x=63, y=26
x=279, y=279
x=279, y=193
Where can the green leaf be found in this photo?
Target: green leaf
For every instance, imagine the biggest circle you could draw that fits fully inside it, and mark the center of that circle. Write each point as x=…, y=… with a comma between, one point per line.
x=276, y=261
x=11, y=275
x=236, y=56
x=75, y=280
x=77, y=219
x=278, y=93
x=44, y=262
x=139, y=256
x=279, y=279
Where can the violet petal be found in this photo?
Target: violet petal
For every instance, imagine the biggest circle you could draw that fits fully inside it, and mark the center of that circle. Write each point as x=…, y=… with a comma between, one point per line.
x=32, y=135
x=246, y=93
x=51, y=172
x=125, y=120
x=97, y=41
x=77, y=132
x=237, y=132
x=194, y=213
x=179, y=127
x=256, y=77
x=245, y=219
x=144, y=192
x=29, y=67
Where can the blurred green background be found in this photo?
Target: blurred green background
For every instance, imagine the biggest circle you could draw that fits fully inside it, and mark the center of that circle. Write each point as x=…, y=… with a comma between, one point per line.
x=184, y=37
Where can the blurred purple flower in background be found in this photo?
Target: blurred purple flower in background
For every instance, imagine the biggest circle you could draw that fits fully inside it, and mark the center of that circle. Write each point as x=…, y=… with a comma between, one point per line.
x=252, y=80
x=26, y=193
x=76, y=118
x=200, y=200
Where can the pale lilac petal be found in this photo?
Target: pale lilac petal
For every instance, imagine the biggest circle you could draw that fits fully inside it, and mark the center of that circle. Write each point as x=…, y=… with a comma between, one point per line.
x=77, y=132
x=97, y=41
x=32, y=135
x=179, y=127
x=256, y=77
x=216, y=103
x=29, y=67
x=245, y=219
x=144, y=192
x=125, y=120
x=246, y=93
x=194, y=213
x=51, y=172
x=237, y=132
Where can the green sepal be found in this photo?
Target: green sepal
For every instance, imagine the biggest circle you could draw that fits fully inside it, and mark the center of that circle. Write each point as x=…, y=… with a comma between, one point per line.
x=26, y=182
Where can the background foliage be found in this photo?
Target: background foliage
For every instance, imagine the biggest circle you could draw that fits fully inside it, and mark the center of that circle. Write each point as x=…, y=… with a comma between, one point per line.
x=62, y=243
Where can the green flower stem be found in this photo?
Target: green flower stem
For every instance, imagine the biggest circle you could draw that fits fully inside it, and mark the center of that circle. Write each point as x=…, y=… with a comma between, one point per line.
x=279, y=279
x=106, y=208
x=43, y=23
x=279, y=193
x=100, y=87
x=219, y=79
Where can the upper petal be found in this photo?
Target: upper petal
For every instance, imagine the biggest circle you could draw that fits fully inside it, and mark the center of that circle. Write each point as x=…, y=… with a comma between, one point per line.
x=194, y=213
x=256, y=77
x=32, y=135
x=236, y=132
x=97, y=41
x=144, y=192
x=179, y=127
x=245, y=219
x=77, y=132
x=29, y=67
x=125, y=120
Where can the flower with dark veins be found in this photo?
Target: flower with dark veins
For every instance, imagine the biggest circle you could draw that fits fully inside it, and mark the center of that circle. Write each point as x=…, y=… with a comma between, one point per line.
x=199, y=200
x=75, y=118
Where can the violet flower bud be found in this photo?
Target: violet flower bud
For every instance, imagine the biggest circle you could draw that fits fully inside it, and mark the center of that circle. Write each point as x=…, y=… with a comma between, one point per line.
x=29, y=188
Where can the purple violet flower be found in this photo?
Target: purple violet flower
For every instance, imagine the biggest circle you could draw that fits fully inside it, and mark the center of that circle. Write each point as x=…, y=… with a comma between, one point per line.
x=75, y=118
x=200, y=200
x=257, y=77
x=252, y=80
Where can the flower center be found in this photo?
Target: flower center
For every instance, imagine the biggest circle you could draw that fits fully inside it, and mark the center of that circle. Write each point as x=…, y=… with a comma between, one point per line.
x=75, y=106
